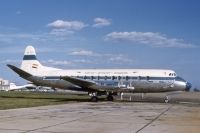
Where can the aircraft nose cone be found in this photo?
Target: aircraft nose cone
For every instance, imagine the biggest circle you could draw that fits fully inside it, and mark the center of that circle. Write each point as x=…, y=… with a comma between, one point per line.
x=188, y=86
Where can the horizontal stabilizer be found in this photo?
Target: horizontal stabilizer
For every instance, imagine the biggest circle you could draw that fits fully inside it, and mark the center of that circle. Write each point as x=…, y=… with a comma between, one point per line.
x=20, y=72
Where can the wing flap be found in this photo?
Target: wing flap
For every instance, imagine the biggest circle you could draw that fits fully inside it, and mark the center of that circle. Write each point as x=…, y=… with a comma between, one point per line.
x=81, y=82
x=77, y=81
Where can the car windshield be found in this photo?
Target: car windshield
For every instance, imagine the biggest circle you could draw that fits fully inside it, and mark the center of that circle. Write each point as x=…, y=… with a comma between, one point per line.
x=179, y=79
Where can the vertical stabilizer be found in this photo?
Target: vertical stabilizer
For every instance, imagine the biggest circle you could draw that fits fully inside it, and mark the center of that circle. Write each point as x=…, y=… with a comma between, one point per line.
x=30, y=63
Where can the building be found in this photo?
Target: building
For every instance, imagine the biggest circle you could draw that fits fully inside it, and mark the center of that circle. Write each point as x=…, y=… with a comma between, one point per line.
x=4, y=84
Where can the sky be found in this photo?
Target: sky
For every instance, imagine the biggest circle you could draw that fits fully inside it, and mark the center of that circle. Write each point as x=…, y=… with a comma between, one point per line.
x=74, y=34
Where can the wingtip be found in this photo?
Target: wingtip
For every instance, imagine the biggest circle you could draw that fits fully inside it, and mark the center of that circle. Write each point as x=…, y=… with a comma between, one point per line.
x=20, y=72
x=10, y=66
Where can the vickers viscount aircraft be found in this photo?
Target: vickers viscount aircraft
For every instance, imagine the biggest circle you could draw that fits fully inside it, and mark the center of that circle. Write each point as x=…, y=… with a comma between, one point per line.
x=99, y=81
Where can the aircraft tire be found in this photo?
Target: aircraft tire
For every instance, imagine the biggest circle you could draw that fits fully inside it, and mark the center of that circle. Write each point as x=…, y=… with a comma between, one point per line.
x=110, y=98
x=166, y=99
x=94, y=99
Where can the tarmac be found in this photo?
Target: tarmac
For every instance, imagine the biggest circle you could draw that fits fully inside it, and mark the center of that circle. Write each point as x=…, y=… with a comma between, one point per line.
x=106, y=117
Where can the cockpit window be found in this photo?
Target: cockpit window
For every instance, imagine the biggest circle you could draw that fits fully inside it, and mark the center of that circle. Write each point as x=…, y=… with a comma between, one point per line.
x=172, y=74
x=179, y=79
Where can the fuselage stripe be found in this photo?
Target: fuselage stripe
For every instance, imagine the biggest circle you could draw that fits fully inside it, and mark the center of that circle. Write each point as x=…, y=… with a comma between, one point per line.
x=29, y=57
x=113, y=78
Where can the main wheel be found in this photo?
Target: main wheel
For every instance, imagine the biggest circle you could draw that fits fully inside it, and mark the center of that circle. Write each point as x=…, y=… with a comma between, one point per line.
x=166, y=99
x=110, y=98
x=94, y=99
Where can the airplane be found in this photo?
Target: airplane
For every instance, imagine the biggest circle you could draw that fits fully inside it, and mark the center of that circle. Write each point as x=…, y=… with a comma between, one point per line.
x=99, y=81
x=13, y=86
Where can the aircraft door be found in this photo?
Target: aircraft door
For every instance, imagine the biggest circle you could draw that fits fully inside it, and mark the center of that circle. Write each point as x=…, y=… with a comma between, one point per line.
x=171, y=83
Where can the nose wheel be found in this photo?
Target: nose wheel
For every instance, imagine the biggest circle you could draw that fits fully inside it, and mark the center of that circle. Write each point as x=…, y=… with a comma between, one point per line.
x=166, y=99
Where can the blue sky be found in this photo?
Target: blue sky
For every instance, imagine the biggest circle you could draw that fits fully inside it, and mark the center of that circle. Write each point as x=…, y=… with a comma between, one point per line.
x=74, y=34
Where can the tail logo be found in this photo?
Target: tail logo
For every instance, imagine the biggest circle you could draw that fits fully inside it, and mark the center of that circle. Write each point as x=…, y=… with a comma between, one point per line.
x=35, y=66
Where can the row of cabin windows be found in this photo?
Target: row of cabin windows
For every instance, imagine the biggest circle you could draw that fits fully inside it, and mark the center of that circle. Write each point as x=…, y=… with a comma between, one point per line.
x=122, y=77
x=105, y=77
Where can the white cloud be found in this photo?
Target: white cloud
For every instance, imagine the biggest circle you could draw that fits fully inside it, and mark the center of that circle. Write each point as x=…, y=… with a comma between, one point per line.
x=82, y=61
x=148, y=38
x=69, y=25
x=22, y=37
x=82, y=53
x=61, y=32
x=35, y=38
x=56, y=62
x=9, y=61
x=63, y=28
x=120, y=59
x=101, y=22
x=100, y=57
x=18, y=12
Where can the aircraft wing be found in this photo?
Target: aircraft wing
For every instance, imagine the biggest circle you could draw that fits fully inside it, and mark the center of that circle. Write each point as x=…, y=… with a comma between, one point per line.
x=89, y=85
x=93, y=86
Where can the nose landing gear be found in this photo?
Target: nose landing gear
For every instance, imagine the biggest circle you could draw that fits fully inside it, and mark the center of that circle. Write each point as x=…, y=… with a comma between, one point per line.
x=166, y=99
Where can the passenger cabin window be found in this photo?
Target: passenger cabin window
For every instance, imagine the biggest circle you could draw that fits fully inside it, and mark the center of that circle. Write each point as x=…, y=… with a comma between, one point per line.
x=147, y=77
x=101, y=77
x=133, y=77
x=80, y=77
x=87, y=77
x=108, y=77
x=94, y=77
x=113, y=77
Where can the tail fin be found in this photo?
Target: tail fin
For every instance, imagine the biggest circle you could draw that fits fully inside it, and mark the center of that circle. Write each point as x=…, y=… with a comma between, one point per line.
x=30, y=63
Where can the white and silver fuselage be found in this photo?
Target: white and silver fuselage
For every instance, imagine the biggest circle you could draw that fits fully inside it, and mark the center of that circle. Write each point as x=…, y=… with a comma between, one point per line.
x=136, y=80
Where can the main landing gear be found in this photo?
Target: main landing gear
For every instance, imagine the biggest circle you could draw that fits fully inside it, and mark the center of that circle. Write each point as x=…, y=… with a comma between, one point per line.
x=166, y=99
x=110, y=97
x=94, y=97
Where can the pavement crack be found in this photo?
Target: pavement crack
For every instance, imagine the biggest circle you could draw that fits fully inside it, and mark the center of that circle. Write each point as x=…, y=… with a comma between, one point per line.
x=158, y=116
x=65, y=122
